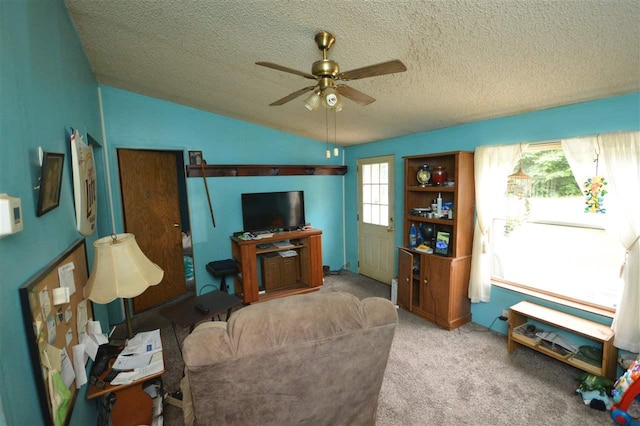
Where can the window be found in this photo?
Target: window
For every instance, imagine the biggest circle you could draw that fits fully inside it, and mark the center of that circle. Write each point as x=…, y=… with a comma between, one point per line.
x=375, y=189
x=558, y=248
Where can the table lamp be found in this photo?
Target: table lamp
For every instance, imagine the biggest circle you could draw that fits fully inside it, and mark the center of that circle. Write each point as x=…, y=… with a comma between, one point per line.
x=120, y=269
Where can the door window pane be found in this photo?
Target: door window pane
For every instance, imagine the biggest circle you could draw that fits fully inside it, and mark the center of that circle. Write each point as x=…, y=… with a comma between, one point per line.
x=375, y=193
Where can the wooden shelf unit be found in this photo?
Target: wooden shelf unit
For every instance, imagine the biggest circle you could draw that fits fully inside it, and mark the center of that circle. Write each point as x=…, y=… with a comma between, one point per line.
x=520, y=313
x=308, y=267
x=432, y=286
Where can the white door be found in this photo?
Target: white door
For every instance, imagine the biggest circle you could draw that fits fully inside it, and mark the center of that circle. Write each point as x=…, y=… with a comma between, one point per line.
x=375, y=218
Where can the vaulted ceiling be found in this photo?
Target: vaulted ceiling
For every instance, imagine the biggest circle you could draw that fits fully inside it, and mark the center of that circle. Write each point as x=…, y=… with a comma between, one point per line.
x=466, y=60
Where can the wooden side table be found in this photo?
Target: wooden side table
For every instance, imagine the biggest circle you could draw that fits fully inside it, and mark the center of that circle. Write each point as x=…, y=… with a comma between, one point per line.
x=185, y=314
x=133, y=405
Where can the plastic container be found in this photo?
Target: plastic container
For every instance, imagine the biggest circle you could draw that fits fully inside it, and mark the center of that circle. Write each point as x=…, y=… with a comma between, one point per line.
x=413, y=236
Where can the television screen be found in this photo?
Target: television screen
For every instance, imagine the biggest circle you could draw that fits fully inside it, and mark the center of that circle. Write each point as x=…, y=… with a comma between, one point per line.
x=272, y=211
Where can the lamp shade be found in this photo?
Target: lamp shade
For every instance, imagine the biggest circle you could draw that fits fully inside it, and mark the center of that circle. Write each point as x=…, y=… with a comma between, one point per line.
x=312, y=102
x=120, y=269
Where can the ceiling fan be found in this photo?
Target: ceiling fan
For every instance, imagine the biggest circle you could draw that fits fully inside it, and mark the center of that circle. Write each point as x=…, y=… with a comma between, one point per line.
x=327, y=73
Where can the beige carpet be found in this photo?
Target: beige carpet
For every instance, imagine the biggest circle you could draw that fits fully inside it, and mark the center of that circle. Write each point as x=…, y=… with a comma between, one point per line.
x=439, y=377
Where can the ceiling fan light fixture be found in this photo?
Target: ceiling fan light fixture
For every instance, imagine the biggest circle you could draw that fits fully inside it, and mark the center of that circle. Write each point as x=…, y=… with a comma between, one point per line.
x=326, y=72
x=312, y=101
x=331, y=97
x=338, y=106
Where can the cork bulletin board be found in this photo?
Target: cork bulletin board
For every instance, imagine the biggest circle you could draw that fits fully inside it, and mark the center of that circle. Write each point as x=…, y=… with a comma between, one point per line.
x=55, y=315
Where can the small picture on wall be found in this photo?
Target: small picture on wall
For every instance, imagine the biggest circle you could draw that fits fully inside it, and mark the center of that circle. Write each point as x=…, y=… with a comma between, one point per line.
x=442, y=243
x=50, y=182
x=195, y=158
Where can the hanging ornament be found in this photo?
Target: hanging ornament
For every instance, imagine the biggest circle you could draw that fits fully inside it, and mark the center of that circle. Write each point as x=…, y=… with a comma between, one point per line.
x=595, y=188
x=518, y=194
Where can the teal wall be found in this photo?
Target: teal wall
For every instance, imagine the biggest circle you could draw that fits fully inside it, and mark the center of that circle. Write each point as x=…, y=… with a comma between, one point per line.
x=136, y=121
x=46, y=86
x=606, y=115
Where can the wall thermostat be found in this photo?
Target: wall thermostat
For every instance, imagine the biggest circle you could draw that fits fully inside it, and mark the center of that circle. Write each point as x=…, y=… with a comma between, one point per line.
x=10, y=215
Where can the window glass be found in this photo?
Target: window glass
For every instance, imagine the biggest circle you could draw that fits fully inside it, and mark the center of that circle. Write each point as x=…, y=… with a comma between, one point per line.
x=375, y=193
x=557, y=248
x=366, y=173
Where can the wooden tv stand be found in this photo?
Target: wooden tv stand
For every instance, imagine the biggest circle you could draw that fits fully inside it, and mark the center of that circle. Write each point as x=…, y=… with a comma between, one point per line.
x=308, y=245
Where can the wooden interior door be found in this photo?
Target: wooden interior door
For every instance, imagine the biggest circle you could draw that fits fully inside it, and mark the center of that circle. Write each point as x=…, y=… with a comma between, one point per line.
x=151, y=209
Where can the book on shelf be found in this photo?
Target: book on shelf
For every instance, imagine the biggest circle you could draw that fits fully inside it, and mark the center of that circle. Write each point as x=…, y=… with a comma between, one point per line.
x=288, y=253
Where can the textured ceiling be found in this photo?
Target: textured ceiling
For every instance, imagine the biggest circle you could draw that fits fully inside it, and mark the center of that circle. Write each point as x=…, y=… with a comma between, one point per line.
x=466, y=60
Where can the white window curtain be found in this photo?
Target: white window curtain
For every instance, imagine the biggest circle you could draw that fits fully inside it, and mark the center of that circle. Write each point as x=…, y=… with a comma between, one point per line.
x=619, y=163
x=492, y=166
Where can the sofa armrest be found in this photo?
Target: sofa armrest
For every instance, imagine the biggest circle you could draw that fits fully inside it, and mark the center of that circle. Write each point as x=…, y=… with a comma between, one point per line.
x=207, y=344
x=379, y=311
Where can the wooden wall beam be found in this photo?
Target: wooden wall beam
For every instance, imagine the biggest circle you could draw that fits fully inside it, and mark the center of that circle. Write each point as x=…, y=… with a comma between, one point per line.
x=230, y=170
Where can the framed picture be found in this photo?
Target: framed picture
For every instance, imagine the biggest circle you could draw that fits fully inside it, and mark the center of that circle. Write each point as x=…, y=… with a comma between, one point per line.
x=50, y=182
x=442, y=243
x=195, y=157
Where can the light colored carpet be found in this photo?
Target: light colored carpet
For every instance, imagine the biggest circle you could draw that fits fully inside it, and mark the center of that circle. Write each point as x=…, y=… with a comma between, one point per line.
x=439, y=377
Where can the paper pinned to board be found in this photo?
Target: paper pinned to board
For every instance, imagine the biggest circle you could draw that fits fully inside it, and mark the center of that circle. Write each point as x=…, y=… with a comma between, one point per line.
x=66, y=277
x=94, y=338
x=79, y=359
x=61, y=295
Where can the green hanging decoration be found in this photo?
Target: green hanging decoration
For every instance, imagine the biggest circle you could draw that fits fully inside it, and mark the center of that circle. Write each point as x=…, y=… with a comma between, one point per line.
x=595, y=188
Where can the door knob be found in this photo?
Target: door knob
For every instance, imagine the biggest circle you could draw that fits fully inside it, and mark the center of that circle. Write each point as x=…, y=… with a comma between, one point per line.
x=175, y=225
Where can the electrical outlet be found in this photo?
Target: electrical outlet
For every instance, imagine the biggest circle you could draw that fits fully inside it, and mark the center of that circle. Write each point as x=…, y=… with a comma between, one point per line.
x=505, y=313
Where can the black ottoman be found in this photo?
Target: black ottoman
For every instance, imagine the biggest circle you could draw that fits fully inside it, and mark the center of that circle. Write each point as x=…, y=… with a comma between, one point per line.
x=222, y=268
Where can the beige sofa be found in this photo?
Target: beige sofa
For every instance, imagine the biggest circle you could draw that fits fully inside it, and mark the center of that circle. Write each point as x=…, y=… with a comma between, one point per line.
x=314, y=359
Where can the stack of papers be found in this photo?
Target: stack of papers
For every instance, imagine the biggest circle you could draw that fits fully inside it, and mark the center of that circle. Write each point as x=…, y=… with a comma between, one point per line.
x=141, y=357
x=264, y=235
x=288, y=253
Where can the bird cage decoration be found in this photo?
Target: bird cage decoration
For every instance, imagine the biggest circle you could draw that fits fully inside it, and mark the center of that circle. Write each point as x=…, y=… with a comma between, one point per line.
x=518, y=194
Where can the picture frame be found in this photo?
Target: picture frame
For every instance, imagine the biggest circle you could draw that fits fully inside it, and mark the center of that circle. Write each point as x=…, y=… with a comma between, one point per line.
x=195, y=158
x=443, y=245
x=50, y=182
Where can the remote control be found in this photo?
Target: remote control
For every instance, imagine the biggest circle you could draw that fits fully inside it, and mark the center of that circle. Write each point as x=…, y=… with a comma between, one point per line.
x=200, y=307
x=111, y=375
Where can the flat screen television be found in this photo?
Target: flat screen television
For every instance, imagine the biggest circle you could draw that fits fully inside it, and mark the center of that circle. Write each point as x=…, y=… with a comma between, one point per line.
x=272, y=211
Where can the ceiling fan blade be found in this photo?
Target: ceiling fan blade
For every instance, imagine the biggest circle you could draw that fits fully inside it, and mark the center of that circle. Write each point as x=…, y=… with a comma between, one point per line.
x=286, y=69
x=355, y=95
x=383, y=68
x=292, y=96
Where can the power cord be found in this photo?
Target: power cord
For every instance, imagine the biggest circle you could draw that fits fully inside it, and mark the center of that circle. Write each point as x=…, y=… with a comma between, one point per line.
x=208, y=285
x=483, y=330
x=344, y=267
